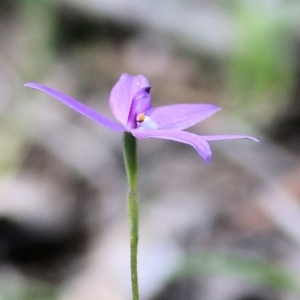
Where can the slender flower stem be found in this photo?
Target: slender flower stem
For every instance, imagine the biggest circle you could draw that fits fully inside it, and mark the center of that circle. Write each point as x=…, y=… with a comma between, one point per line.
x=131, y=165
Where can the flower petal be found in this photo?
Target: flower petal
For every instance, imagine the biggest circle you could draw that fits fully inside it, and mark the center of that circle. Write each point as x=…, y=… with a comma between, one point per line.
x=122, y=95
x=181, y=116
x=140, y=104
x=228, y=137
x=200, y=144
x=77, y=106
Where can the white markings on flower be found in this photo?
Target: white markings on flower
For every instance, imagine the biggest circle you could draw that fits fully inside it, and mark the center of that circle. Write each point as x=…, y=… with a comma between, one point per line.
x=145, y=122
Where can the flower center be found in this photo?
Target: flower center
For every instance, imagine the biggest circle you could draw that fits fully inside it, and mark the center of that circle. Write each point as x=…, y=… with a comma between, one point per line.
x=144, y=122
x=140, y=118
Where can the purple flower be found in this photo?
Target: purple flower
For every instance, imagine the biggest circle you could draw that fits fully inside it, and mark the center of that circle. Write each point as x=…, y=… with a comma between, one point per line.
x=130, y=103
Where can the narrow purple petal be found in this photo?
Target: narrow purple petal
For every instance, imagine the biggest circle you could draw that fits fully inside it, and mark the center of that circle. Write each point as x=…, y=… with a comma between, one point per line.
x=122, y=95
x=181, y=116
x=228, y=137
x=141, y=104
x=77, y=106
x=200, y=144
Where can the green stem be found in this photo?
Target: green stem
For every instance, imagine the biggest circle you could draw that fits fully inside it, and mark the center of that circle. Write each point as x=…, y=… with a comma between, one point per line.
x=131, y=165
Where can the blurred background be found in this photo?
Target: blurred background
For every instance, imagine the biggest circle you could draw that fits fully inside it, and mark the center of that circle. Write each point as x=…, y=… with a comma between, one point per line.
x=227, y=231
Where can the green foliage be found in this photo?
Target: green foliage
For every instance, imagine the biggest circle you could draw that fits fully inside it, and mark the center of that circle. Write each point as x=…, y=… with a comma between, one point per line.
x=257, y=271
x=261, y=67
x=19, y=289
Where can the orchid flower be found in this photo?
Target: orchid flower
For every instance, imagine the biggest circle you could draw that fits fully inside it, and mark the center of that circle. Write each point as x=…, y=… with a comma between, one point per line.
x=130, y=103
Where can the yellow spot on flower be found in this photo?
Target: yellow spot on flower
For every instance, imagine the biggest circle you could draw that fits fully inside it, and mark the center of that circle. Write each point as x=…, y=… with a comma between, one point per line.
x=140, y=118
